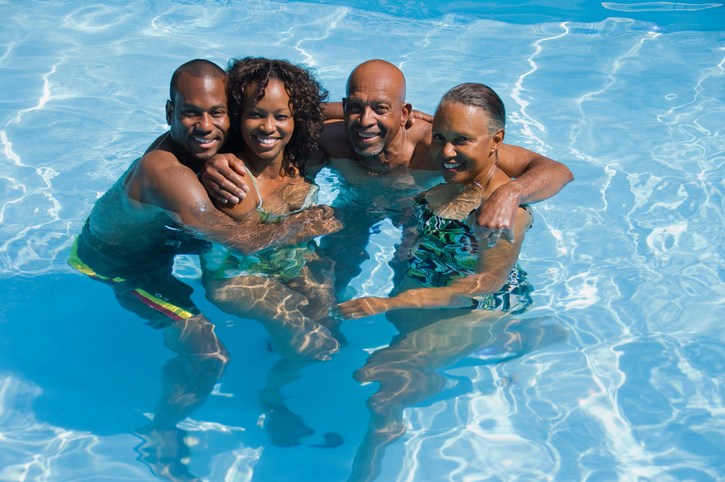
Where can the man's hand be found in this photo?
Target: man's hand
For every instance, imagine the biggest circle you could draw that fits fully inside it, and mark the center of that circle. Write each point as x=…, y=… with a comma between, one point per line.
x=223, y=176
x=315, y=221
x=418, y=115
x=495, y=217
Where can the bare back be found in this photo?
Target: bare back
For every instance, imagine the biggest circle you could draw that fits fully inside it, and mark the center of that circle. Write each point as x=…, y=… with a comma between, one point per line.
x=135, y=213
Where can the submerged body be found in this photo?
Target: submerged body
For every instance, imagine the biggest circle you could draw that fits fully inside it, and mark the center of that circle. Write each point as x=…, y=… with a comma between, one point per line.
x=461, y=280
x=446, y=250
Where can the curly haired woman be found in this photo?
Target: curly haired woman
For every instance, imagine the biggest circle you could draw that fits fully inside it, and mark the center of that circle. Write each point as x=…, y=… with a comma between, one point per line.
x=279, y=278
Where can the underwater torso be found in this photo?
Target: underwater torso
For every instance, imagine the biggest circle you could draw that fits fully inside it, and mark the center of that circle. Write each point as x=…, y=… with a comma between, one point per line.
x=446, y=250
x=283, y=262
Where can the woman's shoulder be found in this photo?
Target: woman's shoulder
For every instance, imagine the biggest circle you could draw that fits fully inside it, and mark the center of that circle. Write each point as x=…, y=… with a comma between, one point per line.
x=450, y=201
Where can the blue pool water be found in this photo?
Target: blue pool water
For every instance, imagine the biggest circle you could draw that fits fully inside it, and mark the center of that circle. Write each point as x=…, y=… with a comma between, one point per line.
x=615, y=374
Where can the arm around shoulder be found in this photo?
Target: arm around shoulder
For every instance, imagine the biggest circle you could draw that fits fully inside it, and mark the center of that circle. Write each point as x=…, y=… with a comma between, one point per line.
x=536, y=177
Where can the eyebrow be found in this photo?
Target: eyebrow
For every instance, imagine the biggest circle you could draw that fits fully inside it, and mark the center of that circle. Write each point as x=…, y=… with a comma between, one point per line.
x=196, y=106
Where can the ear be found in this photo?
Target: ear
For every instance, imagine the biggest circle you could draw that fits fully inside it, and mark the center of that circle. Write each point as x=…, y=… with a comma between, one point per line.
x=405, y=111
x=497, y=139
x=169, y=111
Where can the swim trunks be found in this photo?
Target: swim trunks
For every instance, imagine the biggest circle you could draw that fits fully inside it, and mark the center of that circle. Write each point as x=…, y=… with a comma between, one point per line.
x=447, y=250
x=144, y=286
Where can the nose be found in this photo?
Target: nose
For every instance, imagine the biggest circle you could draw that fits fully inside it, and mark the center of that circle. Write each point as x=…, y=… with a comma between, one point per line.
x=267, y=126
x=448, y=151
x=366, y=118
x=205, y=122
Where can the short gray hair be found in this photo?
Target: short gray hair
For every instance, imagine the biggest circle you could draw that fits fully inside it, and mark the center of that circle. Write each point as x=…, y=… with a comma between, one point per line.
x=481, y=96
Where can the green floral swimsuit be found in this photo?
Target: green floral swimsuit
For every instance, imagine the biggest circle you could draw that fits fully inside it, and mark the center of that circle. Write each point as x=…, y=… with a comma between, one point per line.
x=446, y=250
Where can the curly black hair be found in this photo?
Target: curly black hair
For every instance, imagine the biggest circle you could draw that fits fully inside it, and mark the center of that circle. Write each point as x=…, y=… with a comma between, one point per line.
x=306, y=96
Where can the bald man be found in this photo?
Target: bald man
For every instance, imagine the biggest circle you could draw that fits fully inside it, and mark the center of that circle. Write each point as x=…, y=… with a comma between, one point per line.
x=379, y=132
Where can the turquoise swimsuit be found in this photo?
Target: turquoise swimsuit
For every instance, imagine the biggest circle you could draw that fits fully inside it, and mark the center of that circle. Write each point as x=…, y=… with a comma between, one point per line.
x=446, y=250
x=283, y=263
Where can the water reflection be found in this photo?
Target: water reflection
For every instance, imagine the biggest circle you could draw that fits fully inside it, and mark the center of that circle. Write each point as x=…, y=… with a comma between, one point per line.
x=294, y=309
x=411, y=369
x=186, y=381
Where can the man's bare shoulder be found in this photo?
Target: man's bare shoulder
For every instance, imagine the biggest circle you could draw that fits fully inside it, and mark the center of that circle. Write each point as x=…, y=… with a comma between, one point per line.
x=420, y=130
x=157, y=161
x=334, y=141
x=420, y=134
x=159, y=177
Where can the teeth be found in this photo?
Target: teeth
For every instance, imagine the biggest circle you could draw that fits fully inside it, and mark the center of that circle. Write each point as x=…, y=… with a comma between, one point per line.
x=266, y=140
x=202, y=140
x=451, y=165
x=366, y=135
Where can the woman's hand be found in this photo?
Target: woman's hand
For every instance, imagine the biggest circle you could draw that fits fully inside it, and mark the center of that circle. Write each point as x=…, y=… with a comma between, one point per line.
x=360, y=307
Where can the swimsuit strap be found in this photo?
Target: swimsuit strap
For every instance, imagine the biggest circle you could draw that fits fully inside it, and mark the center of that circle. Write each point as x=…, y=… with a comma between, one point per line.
x=254, y=182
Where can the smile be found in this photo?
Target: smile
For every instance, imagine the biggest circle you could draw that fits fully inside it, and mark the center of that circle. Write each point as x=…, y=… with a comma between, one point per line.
x=203, y=140
x=368, y=135
x=452, y=165
x=266, y=141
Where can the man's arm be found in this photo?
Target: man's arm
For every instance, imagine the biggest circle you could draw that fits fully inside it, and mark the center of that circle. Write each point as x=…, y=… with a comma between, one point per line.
x=332, y=110
x=225, y=179
x=334, y=143
x=176, y=189
x=536, y=178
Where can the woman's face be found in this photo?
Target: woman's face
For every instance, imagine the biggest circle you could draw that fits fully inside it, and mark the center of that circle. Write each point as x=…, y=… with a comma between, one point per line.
x=267, y=125
x=462, y=144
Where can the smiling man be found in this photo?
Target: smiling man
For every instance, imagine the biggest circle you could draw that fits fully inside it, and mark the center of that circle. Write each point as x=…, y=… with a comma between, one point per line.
x=378, y=134
x=142, y=222
x=158, y=208
x=137, y=227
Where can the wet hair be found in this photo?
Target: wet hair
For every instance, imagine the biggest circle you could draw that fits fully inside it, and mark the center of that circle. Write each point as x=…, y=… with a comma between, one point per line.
x=200, y=68
x=305, y=95
x=481, y=96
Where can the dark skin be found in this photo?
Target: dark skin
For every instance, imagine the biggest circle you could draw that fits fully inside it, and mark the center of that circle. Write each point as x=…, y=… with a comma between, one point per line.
x=406, y=370
x=290, y=310
x=167, y=175
x=380, y=132
x=162, y=189
x=478, y=178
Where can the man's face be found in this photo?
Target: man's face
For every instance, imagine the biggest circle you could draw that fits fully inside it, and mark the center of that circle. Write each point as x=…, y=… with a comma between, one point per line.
x=374, y=113
x=198, y=116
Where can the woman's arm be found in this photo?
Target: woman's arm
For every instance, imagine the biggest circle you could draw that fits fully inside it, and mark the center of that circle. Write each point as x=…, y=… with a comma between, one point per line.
x=495, y=264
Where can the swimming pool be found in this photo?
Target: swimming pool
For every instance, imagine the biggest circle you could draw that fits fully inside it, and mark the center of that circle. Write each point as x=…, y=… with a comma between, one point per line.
x=616, y=374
